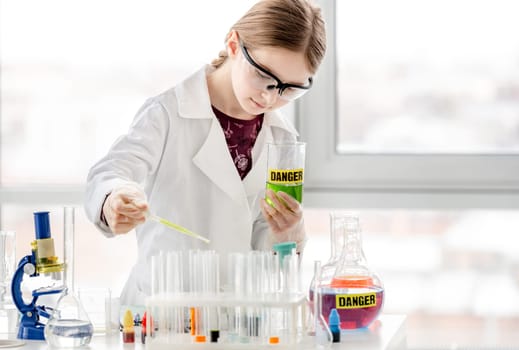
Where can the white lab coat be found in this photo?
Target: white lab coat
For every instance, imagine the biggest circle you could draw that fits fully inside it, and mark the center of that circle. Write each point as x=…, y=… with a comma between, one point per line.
x=176, y=150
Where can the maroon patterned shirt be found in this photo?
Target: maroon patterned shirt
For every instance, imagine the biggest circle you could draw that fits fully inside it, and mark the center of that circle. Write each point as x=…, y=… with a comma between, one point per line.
x=240, y=136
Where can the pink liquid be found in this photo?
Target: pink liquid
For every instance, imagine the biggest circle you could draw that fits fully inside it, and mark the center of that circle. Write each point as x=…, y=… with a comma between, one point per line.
x=359, y=316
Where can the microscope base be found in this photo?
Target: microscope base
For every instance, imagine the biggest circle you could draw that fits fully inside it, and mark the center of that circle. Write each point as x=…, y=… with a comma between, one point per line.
x=33, y=331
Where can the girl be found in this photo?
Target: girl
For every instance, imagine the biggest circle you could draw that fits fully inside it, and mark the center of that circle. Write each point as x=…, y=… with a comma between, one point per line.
x=196, y=154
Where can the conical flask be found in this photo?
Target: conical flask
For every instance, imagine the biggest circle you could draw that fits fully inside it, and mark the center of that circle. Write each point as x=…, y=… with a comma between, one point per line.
x=354, y=289
x=69, y=325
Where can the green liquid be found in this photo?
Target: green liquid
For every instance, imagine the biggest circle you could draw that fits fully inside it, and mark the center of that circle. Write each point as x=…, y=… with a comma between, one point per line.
x=296, y=191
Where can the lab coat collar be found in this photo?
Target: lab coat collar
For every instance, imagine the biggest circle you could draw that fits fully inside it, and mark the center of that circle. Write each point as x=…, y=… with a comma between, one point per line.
x=194, y=103
x=193, y=96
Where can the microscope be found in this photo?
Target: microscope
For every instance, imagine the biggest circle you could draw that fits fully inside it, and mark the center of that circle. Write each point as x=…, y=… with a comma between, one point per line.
x=41, y=261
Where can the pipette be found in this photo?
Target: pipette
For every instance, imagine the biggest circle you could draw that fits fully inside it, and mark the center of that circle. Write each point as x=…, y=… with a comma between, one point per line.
x=177, y=227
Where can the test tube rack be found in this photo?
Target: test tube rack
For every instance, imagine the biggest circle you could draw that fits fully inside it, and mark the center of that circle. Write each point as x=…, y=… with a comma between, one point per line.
x=260, y=306
x=268, y=310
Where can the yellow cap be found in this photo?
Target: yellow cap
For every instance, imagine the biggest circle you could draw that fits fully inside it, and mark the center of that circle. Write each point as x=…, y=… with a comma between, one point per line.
x=128, y=320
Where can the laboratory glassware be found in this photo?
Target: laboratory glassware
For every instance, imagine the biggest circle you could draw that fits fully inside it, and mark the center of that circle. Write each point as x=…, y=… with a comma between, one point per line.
x=253, y=310
x=320, y=330
x=285, y=164
x=353, y=289
x=177, y=227
x=7, y=263
x=337, y=238
x=69, y=325
x=8, y=311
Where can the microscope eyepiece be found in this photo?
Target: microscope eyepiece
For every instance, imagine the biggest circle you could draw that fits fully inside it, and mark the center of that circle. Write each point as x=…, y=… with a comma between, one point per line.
x=41, y=224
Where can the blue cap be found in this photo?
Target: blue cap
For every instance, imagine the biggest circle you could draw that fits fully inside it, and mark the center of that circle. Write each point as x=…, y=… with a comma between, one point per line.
x=41, y=224
x=284, y=249
x=334, y=318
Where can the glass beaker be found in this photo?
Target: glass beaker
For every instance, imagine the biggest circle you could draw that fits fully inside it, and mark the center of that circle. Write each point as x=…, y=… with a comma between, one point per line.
x=286, y=164
x=348, y=284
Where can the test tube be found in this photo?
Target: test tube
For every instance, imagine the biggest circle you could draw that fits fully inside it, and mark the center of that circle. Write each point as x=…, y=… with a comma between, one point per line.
x=214, y=313
x=194, y=265
x=158, y=292
x=174, y=285
x=236, y=277
x=291, y=273
x=253, y=279
x=206, y=260
x=323, y=336
x=157, y=274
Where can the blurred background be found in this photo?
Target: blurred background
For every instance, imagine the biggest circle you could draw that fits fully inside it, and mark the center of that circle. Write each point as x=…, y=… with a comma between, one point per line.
x=413, y=124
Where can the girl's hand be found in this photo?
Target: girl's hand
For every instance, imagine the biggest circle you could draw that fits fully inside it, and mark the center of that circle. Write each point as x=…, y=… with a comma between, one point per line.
x=285, y=217
x=125, y=208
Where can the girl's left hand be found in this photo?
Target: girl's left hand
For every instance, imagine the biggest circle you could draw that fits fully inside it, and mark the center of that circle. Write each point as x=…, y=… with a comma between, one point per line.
x=285, y=217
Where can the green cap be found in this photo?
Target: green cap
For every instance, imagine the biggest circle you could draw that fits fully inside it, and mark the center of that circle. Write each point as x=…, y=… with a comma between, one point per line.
x=284, y=249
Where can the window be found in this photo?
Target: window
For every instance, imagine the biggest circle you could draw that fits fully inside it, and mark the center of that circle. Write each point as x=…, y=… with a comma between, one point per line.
x=424, y=110
x=435, y=210
x=414, y=74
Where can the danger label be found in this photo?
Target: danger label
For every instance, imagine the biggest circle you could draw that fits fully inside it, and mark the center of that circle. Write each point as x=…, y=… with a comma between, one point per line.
x=355, y=301
x=286, y=176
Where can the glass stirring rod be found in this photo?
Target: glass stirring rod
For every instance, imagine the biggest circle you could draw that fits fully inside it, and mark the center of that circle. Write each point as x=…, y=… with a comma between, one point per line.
x=177, y=227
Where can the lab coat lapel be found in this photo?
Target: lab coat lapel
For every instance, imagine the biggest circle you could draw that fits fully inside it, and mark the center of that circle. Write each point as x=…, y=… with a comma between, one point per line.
x=214, y=160
x=254, y=182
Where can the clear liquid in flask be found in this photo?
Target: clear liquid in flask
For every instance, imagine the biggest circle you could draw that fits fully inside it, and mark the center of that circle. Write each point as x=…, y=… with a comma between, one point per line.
x=68, y=333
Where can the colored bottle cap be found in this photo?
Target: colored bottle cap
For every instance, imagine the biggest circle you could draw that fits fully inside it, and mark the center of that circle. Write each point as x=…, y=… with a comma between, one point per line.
x=200, y=339
x=128, y=320
x=41, y=224
x=284, y=249
x=274, y=340
x=334, y=318
x=215, y=334
x=334, y=321
x=143, y=321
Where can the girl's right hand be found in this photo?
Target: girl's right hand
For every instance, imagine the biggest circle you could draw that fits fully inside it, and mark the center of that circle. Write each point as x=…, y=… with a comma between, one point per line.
x=125, y=208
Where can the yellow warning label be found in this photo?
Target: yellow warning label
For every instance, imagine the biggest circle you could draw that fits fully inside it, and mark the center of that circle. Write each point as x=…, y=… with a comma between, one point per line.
x=285, y=176
x=355, y=301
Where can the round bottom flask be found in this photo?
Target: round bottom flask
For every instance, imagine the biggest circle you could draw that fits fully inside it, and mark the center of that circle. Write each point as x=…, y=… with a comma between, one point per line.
x=354, y=290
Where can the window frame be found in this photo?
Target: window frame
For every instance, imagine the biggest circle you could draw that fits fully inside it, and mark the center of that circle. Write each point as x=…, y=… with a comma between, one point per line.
x=391, y=179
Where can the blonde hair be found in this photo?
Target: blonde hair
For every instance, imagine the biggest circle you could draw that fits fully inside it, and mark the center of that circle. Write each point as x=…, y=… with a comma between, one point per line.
x=296, y=25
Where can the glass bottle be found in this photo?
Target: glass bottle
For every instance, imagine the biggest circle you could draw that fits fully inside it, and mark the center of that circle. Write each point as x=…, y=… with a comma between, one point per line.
x=353, y=289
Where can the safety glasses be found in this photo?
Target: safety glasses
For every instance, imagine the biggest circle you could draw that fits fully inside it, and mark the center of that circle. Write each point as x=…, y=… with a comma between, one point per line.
x=264, y=80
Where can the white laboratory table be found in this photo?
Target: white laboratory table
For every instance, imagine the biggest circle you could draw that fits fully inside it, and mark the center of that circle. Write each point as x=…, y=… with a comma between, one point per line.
x=388, y=332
